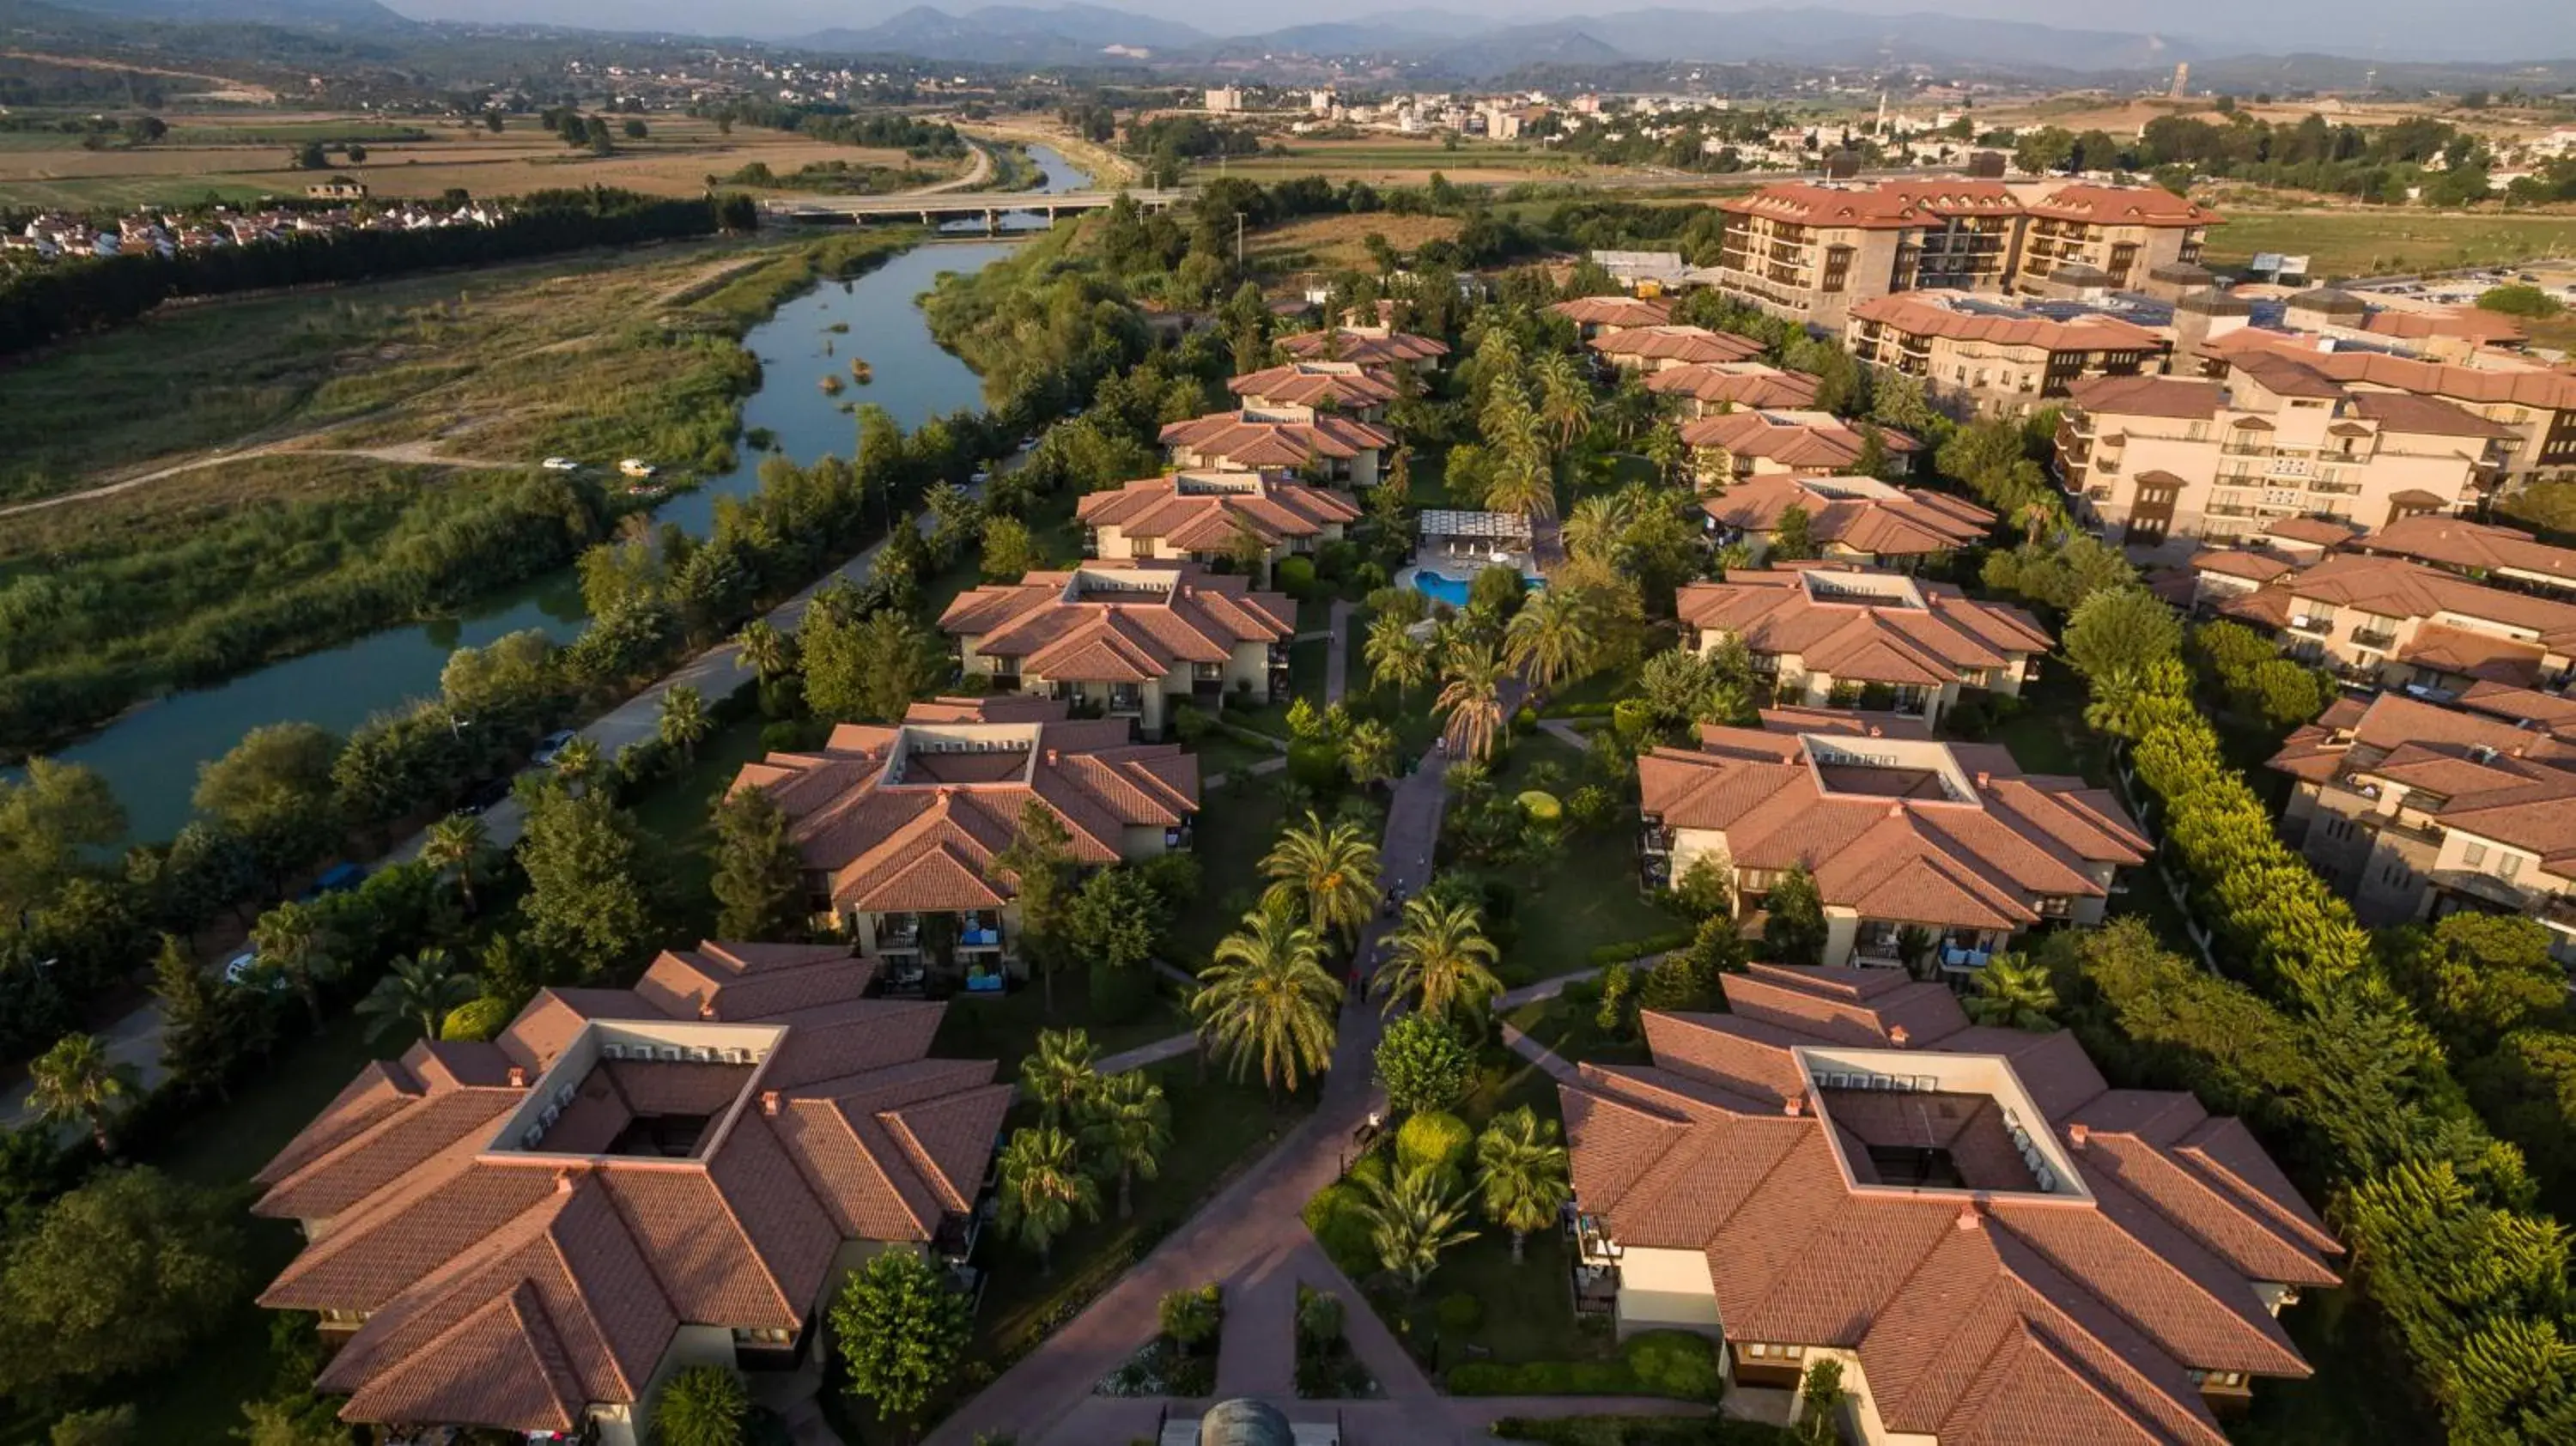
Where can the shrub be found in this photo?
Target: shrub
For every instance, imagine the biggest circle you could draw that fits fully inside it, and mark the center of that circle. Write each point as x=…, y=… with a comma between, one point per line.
x=1316, y=765
x=1333, y=1217
x=1460, y=1313
x=1627, y=949
x=1633, y=720
x=1423, y=1064
x=1525, y=720
x=1433, y=1138
x=1674, y=1363
x=1189, y=724
x=1294, y=576
x=476, y=1019
x=1319, y=1317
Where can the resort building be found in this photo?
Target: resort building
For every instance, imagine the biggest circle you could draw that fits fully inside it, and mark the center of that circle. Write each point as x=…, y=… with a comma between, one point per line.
x=1950, y=844
x=1343, y=388
x=1993, y=1244
x=2120, y=233
x=1319, y=446
x=1652, y=349
x=1728, y=447
x=898, y=826
x=2391, y=623
x=1600, y=316
x=2413, y=810
x=1133, y=641
x=1369, y=346
x=2478, y=551
x=1825, y=636
x=2147, y=458
x=532, y=1234
x=1211, y=518
x=1849, y=519
x=1707, y=387
x=1978, y=356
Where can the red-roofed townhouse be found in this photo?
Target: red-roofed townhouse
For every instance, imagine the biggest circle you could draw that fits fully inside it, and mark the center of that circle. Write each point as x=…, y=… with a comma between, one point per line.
x=1211, y=518
x=1319, y=446
x=1730, y=446
x=2391, y=623
x=1651, y=349
x=1345, y=388
x=1707, y=388
x=1599, y=316
x=1371, y=346
x=1850, y=519
x=1825, y=636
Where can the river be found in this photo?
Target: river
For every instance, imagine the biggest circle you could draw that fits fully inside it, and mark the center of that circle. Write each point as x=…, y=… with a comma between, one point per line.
x=151, y=755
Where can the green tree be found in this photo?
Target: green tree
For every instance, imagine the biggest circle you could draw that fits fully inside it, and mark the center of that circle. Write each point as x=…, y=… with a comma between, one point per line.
x=76, y=1084
x=684, y=723
x=1267, y=1000
x=1549, y=640
x=206, y=1031
x=1395, y=656
x=1411, y=1219
x=1440, y=961
x=589, y=896
x=1328, y=874
x=2122, y=630
x=1369, y=752
x=1792, y=536
x=1044, y=1189
x=1821, y=1406
x=1127, y=1126
x=118, y=1277
x=107, y=1426
x=2520, y=299
x=900, y=1330
x=769, y=653
x=1060, y=1074
x=46, y=820
x=291, y=939
x=275, y=789
x=870, y=670
x=1793, y=928
x=701, y=1406
x=759, y=879
x=1191, y=1317
x=457, y=847
x=1038, y=864
x=2013, y=991
x=577, y=764
x=418, y=990
x=1471, y=700
x=1009, y=549
x=1423, y=1063
x=1115, y=920
x=1521, y=1169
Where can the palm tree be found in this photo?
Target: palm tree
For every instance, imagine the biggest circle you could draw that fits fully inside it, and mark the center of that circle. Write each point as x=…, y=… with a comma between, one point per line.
x=684, y=721
x=1471, y=699
x=1060, y=1073
x=2014, y=992
x=1268, y=998
x=1596, y=524
x=769, y=653
x=1521, y=1163
x=420, y=990
x=1412, y=1219
x=1368, y=752
x=1396, y=656
x=1044, y=1188
x=701, y=1406
x=1128, y=1126
x=1522, y=483
x=1549, y=640
x=455, y=845
x=290, y=940
x=75, y=1083
x=1440, y=959
x=1565, y=398
x=1332, y=875
x=576, y=763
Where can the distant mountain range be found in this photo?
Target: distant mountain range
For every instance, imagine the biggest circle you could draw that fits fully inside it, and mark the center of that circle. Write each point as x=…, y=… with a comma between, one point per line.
x=302, y=14
x=1470, y=46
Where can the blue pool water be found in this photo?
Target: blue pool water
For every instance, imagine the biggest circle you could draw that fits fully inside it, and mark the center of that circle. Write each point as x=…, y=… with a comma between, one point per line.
x=1441, y=587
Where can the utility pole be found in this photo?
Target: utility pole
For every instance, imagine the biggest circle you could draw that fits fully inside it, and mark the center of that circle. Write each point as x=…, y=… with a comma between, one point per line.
x=1238, y=243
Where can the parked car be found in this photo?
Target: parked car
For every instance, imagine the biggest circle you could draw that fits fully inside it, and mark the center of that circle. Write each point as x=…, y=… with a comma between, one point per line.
x=483, y=795
x=562, y=464
x=239, y=968
x=636, y=467
x=337, y=879
x=550, y=745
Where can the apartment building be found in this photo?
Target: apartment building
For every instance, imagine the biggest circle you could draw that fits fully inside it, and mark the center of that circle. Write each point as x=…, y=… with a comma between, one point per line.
x=1342, y=388
x=1975, y=356
x=1849, y=519
x=1130, y=641
x=2535, y=404
x=2398, y=624
x=1370, y=346
x=2479, y=551
x=1991, y=1243
x=531, y=1235
x=2414, y=810
x=2146, y=458
x=1728, y=447
x=1948, y=842
x=1707, y=387
x=1650, y=349
x=1210, y=518
x=897, y=827
x=1599, y=316
x=1810, y=251
x=1826, y=636
x=1322, y=446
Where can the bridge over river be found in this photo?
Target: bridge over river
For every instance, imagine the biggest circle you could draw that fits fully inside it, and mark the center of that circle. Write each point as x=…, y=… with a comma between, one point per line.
x=990, y=206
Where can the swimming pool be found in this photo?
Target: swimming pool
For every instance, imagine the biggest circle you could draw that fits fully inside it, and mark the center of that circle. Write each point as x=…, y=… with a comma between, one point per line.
x=1441, y=587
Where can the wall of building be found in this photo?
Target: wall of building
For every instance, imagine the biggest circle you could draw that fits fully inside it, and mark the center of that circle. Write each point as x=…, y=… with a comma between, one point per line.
x=1663, y=1290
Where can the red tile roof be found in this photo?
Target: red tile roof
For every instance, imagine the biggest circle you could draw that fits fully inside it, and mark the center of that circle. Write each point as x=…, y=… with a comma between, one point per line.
x=1613, y=311
x=1920, y=315
x=1287, y=438
x=1862, y=514
x=2145, y=396
x=1315, y=383
x=2462, y=545
x=2527, y=387
x=2392, y=587
x=2121, y=206
x=1892, y=640
x=1688, y=345
x=2474, y=773
x=1203, y=512
x=1802, y=441
x=1370, y=346
x=1742, y=384
x=1888, y=205
x=1058, y=629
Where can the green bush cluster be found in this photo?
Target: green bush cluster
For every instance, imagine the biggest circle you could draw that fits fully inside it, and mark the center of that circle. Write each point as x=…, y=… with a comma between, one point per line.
x=1434, y=1140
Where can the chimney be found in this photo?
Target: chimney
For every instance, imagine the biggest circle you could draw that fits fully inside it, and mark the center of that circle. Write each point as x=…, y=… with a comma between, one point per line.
x=707, y=1007
x=563, y=1182
x=518, y=1077
x=1896, y=809
x=769, y=1102
x=1795, y=1104
x=1898, y=1034
x=1051, y=756
x=1877, y=732
x=1985, y=780
x=1971, y=1218
x=2078, y=1134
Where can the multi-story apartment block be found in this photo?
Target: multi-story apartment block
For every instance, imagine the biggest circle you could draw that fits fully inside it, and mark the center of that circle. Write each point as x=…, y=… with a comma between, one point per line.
x=1729, y=447
x=1849, y=519
x=1709, y=387
x=2535, y=405
x=1129, y=641
x=1810, y=252
x=1342, y=388
x=2398, y=624
x=2148, y=458
x=1322, y=446
x=1977, y=356
x=1833, y=637
x=1211, y=518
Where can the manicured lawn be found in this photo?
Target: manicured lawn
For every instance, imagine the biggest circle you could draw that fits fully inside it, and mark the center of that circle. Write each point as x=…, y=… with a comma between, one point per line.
x=676, y=816
x=1005, y=1027
x=1565, y=1025
x=1236, y=826
x=1223, y=752
x=1581, y=895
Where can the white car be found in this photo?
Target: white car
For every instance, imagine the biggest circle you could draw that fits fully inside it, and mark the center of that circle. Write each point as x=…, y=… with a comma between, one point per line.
x=549, y=746
x=636, y=467
x=238, y=969
x=562, y=464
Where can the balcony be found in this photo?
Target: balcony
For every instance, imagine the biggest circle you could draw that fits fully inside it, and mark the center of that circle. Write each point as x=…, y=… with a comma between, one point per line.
x=2315, y=627
x=1654, y=840
x=2378, y=640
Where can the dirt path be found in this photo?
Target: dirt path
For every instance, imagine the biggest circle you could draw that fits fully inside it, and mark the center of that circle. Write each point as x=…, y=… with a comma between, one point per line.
x=976, y=175
x=408, y=454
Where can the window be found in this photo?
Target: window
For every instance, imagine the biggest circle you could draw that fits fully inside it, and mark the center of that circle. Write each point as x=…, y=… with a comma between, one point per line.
x=2475, y=855
x=2508, y=865
x=1837, y=267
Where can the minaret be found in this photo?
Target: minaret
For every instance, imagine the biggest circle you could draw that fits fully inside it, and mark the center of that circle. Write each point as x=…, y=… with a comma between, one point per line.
x=1882, y=113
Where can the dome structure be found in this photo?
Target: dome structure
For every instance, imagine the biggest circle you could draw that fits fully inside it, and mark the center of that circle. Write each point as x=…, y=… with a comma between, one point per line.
x=1245, y=1423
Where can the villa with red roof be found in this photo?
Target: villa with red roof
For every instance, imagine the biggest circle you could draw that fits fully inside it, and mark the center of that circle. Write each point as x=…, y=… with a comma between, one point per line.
x=1829, y=636
x=1850, y=519
x=1209, y=517
x=1651, y=349
x=1369, y=346
x=1603, y=316
x=1994, y=1244
x=2399, y=624
x=1731, y=446
x=1323, y=446
x=1343, y=388
x=532, y=1234
x=1710, y=387
x=898, y=827
x=1130, y=641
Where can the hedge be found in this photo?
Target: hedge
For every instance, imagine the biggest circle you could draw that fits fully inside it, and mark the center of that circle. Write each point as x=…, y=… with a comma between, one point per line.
x=1627, y=949
x=1675, y=1364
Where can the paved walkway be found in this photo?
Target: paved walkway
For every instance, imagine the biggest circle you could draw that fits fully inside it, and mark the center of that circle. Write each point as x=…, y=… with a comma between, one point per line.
x=1251, y=1238
x=1337, y=663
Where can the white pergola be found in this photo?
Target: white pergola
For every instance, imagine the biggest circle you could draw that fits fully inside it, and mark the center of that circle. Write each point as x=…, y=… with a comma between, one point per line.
x=1511, y=528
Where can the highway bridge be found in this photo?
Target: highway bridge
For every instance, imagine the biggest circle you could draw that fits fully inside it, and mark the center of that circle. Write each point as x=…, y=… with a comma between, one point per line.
x=990, y=206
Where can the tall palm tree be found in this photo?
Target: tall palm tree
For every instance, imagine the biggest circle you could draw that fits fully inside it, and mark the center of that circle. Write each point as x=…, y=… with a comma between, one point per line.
x=75, y=1083
x=1043, y=1187
x=1549, y=640
x=1523, y=483
x=1060, y=1074
x=1128, y=1125
x=684, y=721
x=455, y=846
x=418, y=990
x=1521, y=1167
x=1412, y=1219
x=1596, y=524
x=1565, y=397
x=1471, y=699
x=1368, y=752
x=1396, y=656
x=769, y=653
x=1267, y=999
x=1330, y=874
x=290, y=939
x=2014, y=992
x=1440, y=960
x=576, y=763
x=701, y=1406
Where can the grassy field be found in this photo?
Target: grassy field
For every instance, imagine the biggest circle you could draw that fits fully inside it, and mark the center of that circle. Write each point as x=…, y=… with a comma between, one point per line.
x=2345, y=243
x=236, y=157
x=1396, y=161
x=1333, y=243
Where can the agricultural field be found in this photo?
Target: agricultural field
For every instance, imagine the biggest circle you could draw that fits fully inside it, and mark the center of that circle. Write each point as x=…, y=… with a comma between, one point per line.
x=238, y=157
x=2353, y=242
x=1399, y=161
x=1333, y=243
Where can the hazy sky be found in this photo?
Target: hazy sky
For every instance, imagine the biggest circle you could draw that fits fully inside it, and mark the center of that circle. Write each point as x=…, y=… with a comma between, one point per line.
x=2398, y=29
